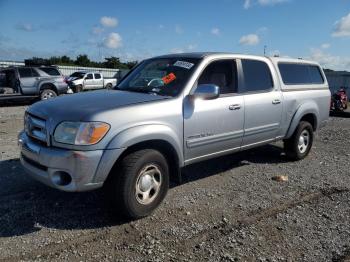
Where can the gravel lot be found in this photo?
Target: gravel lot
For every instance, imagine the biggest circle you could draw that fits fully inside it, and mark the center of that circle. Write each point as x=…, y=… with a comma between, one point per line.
x=227, y=209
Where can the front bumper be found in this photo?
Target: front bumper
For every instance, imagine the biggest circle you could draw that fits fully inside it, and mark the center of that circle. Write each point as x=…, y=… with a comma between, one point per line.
x=84, y=168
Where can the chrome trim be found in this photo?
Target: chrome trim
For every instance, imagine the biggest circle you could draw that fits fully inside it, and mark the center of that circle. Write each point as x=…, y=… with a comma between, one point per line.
x=202, y=141
x=260, y=129
x=36, y=128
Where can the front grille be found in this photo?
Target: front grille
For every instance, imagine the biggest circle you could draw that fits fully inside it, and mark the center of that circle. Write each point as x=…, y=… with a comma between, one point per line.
x=35, y=128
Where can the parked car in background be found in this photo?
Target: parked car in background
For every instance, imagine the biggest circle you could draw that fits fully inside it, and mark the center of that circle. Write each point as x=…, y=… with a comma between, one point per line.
x=22, y=82
x=82, y=80
x=167, y=113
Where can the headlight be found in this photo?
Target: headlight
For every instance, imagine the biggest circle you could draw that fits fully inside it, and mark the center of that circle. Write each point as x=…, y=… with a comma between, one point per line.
x=80, y=133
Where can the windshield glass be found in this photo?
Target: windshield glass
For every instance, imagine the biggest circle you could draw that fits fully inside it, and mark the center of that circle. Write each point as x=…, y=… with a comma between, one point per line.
x=78, y=74
x=162, y=76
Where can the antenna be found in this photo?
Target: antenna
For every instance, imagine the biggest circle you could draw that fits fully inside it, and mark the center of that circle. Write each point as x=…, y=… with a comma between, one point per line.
x=265, y=46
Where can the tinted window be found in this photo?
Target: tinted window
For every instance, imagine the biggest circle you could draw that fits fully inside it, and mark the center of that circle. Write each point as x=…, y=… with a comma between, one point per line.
x=89, y=76
x=25, y=72
x=221, y=73
x=97, y=76
x=50, y=71
x=315, y=74
x=35, y=73
x=296, y=74
x=257, y=76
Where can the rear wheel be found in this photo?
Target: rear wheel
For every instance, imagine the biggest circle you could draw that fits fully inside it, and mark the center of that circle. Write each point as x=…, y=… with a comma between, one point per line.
x=47, y=94
x=139, y=183
x=298, y=146
x=109, y=86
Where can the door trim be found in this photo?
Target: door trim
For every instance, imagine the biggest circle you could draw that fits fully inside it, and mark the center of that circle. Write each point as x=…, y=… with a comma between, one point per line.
x=207, y=139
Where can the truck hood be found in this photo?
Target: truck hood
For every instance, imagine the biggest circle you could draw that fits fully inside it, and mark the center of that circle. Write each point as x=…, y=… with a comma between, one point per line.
x=78, y=107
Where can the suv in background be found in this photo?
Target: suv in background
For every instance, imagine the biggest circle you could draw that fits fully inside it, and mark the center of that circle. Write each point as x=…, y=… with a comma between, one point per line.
x=31, y=82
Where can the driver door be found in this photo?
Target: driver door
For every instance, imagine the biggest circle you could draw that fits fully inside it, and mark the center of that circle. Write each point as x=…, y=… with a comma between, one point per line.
x=214, y=127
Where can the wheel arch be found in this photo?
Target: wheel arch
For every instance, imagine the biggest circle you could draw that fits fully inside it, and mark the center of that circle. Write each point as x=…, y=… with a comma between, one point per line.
x=306, y=112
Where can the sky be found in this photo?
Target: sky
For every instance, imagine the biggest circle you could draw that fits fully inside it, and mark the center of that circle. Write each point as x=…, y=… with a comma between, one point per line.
x=133, y=30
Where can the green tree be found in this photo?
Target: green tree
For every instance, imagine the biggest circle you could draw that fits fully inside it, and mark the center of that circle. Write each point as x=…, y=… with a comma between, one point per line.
x=83, y=60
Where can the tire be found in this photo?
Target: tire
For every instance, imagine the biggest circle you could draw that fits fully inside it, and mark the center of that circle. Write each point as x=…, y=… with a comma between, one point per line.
x=299, y=145
x=109, y=86
x=47, y=94
x=131, y=190
x=78, y=89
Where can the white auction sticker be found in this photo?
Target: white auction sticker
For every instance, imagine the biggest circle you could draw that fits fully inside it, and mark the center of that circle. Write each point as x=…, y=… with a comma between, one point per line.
x=184, y=64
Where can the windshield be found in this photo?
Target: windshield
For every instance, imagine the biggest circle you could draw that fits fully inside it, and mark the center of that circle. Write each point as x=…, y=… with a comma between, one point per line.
x=162, y=76
x=78, y=74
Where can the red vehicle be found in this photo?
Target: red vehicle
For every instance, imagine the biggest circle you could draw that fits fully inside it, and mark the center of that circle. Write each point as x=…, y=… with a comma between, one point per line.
x=339, y=100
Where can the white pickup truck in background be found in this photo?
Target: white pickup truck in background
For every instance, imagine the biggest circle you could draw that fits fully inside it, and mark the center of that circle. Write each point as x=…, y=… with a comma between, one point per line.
x=82, y=80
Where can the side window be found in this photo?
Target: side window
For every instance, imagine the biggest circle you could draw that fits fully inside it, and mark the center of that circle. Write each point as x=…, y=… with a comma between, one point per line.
x=89, y=77
x=35, y=73
x=25, y=72
x=298, y=74
x=97, y=76
x=257, y=76
x=222, y=73
x=50, y=71
x=315, y=74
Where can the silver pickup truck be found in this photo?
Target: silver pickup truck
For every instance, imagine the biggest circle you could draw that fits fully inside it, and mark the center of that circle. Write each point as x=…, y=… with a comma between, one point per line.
x=169, y=112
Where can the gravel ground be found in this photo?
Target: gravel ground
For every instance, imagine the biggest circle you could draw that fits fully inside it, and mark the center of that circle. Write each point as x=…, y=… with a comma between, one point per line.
x=227, y=209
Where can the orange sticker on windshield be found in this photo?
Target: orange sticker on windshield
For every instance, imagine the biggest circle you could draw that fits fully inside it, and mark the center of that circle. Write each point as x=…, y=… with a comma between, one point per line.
x=169, y=78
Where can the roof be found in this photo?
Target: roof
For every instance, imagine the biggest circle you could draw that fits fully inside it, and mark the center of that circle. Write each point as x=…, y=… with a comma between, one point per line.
x=207, y=54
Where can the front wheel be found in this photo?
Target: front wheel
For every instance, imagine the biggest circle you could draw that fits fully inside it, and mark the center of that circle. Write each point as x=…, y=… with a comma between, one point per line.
x=299, y=145
x=47, y=94
x=139, y=183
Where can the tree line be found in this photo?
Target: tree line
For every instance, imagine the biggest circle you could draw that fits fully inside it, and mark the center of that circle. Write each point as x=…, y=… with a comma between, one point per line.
x=83, y=60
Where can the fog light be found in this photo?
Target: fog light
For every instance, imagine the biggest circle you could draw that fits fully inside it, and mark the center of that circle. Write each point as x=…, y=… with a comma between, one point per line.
x=61, y=178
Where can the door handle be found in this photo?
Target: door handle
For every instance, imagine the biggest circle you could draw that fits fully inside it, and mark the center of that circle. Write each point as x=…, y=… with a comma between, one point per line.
x=276, y=101
x=234, y=107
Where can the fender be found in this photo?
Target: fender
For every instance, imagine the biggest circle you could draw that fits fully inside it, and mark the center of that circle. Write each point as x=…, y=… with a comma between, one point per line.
x=47, y=82
x=143, y=133
x=309, y=107
x=130, y=137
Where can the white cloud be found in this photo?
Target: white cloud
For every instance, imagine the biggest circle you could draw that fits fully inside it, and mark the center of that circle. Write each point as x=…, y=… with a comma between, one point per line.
x=249, y=3
x=271, y=2
x=113, y=41
x=25, y=27
x=342, y=27
x=328, y=60
x=325, y=46
x=96, y=30
x=107, y=21
x=176, y=50
x=215, y=31
x=178, y=29
x=251, y=39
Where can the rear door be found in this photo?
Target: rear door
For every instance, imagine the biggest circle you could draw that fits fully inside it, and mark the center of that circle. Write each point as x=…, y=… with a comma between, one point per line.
x=98, y=80
x=28, y=79
x=263, y=102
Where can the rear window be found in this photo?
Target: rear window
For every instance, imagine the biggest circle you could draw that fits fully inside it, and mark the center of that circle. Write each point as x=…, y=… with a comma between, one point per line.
x=299, y=74
x=50, y=71
x=98, y=76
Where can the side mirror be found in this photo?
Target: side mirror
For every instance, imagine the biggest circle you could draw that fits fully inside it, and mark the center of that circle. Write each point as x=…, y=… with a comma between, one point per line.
x=207, y=92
